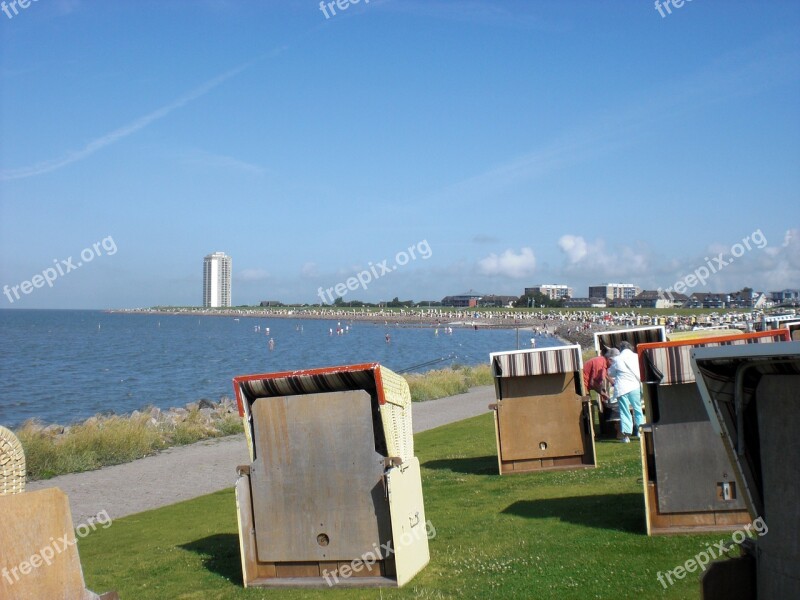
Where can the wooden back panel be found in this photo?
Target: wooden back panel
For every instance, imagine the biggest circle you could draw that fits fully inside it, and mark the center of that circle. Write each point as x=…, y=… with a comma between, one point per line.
x=317, y=487
x=36, y=529
x=690, y=458
x=542, y=409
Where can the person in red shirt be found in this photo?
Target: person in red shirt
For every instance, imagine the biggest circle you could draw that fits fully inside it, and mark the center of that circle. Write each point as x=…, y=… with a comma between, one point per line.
x=595, y=379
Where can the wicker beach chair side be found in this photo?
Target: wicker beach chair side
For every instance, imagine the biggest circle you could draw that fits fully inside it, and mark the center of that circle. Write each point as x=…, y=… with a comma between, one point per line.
x=12, y=463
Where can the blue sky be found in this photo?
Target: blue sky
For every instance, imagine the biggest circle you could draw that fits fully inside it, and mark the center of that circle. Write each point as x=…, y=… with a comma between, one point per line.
x=524, y=142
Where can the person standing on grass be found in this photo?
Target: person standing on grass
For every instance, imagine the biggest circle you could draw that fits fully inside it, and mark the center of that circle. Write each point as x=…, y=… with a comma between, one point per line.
x=595, y=379
x=627, y=389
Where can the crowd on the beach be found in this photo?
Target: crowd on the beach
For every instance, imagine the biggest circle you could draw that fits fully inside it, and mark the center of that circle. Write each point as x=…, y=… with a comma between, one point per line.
x=573, y=326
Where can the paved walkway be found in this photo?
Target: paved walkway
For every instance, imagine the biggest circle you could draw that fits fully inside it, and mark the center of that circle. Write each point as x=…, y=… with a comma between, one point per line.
x=189, y=471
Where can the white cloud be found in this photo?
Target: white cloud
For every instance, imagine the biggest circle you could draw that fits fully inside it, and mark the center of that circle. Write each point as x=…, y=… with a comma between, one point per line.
x=595, y=260
x=509, y=264
x=574, y=246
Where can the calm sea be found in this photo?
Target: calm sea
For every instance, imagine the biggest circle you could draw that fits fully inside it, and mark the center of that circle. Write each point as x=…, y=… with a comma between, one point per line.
x=62, y=366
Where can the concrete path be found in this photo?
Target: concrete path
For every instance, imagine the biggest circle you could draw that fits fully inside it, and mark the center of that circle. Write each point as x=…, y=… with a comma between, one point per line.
x=189, y=471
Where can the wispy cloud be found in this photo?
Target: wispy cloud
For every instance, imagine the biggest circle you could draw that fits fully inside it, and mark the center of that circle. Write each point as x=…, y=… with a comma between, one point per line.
x=220, y=161
x=121, y=133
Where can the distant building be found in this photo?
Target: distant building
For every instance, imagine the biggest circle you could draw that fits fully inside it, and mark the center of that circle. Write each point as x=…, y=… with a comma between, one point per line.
x=786, y=297
x=742, y=299
x=707, y=300
x=585, y=303
x=747, y=299
x=614, y=291
x=217, y=280
x=655, y=299
x=497, y=301
x=268, y=303
x=552, y=291
x=466, y=300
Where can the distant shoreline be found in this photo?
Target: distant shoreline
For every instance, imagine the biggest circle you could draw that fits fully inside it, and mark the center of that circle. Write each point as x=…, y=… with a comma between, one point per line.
x=552, y=326
x=454, y=318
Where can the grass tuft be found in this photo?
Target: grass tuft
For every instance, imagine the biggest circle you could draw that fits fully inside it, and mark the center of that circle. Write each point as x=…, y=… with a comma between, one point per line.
x=101, y=442
x=447, y=382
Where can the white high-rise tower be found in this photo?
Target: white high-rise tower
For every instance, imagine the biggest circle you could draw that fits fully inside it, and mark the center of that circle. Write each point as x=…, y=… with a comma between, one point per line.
x=216, y=280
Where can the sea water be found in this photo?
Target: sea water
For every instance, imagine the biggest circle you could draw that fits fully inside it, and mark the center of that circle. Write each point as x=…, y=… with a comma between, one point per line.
x=63, y=366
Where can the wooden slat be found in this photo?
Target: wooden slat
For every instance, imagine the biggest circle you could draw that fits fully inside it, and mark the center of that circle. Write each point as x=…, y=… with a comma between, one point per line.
x=692, y=520
x=734, y=518
x=247, y=540
x=297, y=569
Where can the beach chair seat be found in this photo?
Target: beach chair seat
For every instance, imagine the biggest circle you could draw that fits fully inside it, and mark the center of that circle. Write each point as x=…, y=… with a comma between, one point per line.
x=333, y=495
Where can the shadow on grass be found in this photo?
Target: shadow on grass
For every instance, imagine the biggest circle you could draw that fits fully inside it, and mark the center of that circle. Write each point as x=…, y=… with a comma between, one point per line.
x=621, y=512
x=220, y=555
x=481, y=465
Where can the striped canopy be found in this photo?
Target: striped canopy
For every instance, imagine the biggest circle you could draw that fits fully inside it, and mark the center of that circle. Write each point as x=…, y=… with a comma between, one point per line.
x=389, y=392
x=543, y=361
x=669, y=363
x=635, y=336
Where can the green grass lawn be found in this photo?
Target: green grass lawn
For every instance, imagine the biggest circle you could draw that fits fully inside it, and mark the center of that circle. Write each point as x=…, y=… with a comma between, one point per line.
x=568, y=534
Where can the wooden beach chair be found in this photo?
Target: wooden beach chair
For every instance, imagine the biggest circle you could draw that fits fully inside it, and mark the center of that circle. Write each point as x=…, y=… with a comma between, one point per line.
x=12, y=463
x=542, y=421
x=39, y=553
x=752, y=396
x=689, y=485
x=333, y=495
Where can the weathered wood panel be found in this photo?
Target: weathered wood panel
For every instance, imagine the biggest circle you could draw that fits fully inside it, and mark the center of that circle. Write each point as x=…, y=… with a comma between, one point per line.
x=317, y=487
